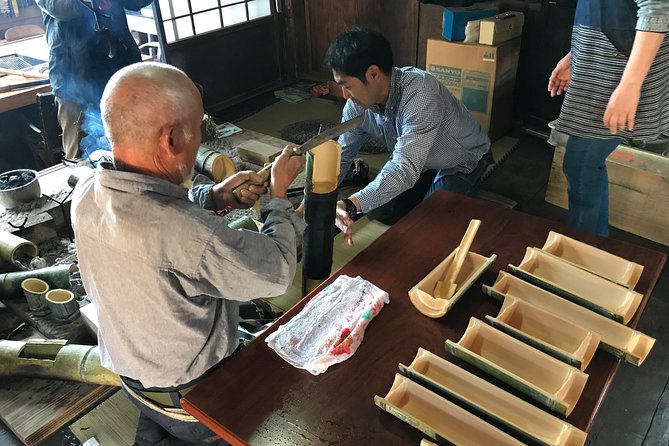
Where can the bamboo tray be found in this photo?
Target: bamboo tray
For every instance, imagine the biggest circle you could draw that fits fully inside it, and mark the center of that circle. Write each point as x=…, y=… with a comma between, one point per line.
x=619, y=340
x=597, y=261
x=552, y=383
x=439, y=418
x=577, y=285
x=421, y=294
x=554, y=335
x=513, y=415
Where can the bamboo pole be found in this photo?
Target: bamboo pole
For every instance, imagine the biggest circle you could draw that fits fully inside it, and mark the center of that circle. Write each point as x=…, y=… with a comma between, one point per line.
x=54, y=359
x=11, y=244
x=56, y=276
x=26, y=74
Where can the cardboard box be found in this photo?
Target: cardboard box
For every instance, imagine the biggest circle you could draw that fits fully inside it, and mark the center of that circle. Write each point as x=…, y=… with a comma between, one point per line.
x=502, y=27
x=481, y=76
x=455, y=20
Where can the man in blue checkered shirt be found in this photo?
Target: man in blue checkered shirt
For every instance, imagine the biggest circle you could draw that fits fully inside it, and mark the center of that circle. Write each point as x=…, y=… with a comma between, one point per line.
x=435, y=143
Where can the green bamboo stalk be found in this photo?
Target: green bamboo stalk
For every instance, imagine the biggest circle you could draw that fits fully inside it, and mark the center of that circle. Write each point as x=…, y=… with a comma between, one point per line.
x=54, y=359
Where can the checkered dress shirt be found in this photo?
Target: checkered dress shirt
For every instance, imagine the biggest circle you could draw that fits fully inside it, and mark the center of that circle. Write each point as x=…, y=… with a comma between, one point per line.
x=424, y=126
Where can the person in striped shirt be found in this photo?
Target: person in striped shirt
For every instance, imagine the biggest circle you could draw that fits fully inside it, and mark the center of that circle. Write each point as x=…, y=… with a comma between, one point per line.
x=616, y=80
x=435, y=143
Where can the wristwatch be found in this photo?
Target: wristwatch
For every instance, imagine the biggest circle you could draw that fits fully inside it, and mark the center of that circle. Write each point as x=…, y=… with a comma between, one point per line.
x=350, y=207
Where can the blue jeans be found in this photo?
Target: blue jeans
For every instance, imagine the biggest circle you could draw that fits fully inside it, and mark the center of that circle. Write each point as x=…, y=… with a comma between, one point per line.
x=585, y=169
x=463, y=184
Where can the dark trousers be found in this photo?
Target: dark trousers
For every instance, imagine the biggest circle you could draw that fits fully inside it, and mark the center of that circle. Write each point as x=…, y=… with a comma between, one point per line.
x=429, y=182
x=156, y=429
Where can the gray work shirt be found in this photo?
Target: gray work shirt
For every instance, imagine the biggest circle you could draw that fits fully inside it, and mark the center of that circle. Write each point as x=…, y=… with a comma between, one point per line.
x=167, y=275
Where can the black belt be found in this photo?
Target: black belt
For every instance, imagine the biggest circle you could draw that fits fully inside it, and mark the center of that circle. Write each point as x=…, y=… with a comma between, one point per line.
x=166, y=396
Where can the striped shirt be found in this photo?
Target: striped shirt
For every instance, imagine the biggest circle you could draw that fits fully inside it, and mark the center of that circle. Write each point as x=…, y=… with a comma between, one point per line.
x=597, y=66
x=424, y=126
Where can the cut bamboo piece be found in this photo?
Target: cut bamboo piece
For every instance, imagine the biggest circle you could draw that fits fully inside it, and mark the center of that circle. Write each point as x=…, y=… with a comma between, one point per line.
x=438, y=418
x=597, y=261
x=577, y=285
x=446, y=288
x=12, y=245
x=621, y=341
x=513, y=415
x=554, y=335
x=552, y=383
x=472, y=268
x=26, y=74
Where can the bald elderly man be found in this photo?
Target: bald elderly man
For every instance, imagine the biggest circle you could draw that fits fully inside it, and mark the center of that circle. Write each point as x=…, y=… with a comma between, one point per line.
x=166, y=274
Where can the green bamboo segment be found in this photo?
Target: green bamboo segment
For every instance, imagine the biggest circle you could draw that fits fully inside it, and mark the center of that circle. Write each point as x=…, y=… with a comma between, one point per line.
x=490, y=403
x=577, y=285
x=438, y=418
x=554, y=335
x=552, y=383
x=616, y=269
x=54, y=359
x=56, y=276
x=621, y=341
x=12, y=245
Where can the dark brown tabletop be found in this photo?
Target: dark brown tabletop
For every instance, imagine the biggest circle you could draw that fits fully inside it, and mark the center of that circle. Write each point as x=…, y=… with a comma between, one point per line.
x=257, y=398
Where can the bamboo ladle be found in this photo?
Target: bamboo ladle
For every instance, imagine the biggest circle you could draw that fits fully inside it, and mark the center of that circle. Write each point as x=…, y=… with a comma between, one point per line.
x=446, y=287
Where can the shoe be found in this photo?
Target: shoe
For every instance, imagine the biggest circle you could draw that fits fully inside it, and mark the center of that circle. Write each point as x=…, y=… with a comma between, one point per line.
x=358, y=174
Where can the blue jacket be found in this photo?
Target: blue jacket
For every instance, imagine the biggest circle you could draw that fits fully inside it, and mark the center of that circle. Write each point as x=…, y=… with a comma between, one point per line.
x=79, y=56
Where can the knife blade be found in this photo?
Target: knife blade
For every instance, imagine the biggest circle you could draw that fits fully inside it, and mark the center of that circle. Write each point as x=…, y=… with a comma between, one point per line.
x=316, y=141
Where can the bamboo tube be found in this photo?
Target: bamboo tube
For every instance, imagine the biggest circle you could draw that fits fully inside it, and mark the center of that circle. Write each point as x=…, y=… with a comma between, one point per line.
x=26, y=74
x=56, y=276
x=11, y=245
x=54, y=359
x=320, y=204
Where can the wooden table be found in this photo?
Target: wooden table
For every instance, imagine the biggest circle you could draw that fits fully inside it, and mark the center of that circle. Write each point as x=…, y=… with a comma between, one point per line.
x=257, y=398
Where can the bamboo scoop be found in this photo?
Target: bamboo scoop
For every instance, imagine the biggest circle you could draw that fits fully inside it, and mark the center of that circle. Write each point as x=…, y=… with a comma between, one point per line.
x=446, y=288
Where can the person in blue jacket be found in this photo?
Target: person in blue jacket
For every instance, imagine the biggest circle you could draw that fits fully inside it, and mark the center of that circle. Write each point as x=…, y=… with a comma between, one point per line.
x=88, y=42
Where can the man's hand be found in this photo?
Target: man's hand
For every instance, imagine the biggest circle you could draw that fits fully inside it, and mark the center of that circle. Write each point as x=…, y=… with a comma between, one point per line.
x=223, y=196
x=344, y=222
x=621, y=109
x=560, y=76
x=284, y=170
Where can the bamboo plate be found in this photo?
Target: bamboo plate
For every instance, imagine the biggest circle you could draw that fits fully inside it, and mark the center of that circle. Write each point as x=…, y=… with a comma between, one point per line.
x=500, y=408
x=437, y=417
x=619, y=340
x=577, y=285
x=597, y=261
x=552, y=383
x=421, y=294
x=556, y=336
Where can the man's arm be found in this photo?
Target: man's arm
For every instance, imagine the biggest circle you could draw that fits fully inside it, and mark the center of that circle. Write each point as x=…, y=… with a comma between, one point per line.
x=243, y=265
x=419, y=128
x=62, y=9
x=652, y=24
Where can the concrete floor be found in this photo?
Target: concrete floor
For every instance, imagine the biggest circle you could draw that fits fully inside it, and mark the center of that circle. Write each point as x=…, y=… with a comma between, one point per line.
x=636, y=409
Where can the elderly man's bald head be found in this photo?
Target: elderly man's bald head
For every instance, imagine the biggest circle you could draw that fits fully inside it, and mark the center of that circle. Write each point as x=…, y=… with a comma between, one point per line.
x=142, y=98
